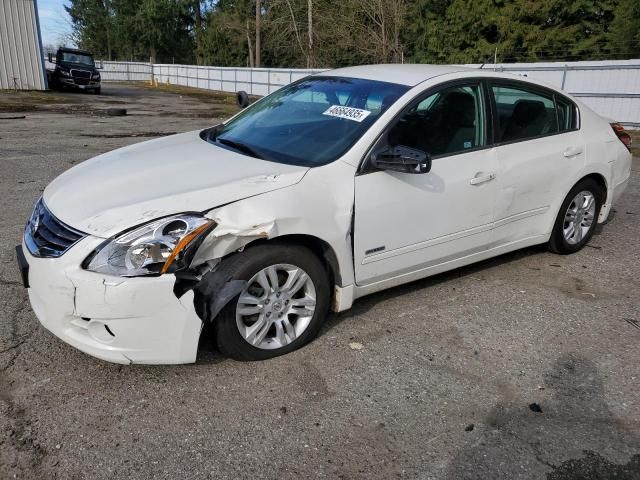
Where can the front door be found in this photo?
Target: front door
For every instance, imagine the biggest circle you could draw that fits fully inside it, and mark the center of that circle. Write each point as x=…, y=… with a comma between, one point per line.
x=408, y=222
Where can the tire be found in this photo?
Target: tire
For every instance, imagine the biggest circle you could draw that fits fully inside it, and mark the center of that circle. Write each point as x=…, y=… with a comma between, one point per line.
x=97, y=91
x=231, y=327
x=114, y=112
x=586, y=219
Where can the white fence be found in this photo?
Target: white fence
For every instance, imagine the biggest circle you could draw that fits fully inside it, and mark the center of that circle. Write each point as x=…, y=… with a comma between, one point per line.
x=611, y=88
x=255, y=81
x=124, y=71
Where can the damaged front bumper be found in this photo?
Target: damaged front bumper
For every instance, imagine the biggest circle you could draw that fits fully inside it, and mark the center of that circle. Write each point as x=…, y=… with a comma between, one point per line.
x=121, y=320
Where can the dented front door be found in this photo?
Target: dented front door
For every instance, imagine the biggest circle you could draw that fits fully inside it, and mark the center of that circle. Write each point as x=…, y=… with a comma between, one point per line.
x=407, y=222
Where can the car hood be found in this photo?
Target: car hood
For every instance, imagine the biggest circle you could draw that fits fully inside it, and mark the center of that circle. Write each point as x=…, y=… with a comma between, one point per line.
x=141, y=182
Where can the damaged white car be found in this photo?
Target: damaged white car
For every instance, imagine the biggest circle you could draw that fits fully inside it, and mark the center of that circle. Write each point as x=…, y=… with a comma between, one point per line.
x=334, y=187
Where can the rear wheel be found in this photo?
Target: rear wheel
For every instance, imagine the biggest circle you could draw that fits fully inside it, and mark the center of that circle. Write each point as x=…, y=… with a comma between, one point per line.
x=577, y=218
x=281, y=308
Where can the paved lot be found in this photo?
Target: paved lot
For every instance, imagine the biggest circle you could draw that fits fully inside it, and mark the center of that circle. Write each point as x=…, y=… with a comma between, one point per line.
x=441, y=387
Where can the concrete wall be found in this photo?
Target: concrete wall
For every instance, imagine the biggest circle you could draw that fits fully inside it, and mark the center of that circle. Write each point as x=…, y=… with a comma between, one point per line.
x=21, y=62
x=611, y=88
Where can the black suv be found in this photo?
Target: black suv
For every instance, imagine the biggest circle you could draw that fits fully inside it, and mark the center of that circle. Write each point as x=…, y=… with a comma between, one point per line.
x=73, y=68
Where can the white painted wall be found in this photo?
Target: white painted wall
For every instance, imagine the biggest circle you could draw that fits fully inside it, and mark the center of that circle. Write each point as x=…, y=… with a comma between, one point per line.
x=21, y=64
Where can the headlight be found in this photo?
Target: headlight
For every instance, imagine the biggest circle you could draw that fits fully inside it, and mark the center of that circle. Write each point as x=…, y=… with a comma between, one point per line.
x=96, y=76
x=161, y=246
x=65, y=73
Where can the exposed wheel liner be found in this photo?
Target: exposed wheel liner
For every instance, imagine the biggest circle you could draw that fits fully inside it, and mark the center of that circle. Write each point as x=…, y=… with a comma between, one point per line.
x=215, y=290
x=210, y=293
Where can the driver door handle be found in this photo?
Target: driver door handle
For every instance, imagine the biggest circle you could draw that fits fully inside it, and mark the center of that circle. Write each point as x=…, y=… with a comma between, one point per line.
x=482, y=178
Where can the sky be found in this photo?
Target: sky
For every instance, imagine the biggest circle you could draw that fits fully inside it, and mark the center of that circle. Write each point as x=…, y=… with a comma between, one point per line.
x=55, y=25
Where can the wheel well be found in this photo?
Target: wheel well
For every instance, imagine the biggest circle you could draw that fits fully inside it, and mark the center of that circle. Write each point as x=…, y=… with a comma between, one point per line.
x=319, y=247
x=600, y=180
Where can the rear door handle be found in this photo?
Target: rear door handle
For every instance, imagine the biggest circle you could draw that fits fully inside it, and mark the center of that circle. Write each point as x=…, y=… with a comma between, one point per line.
x=572, y=152
x=480, y=178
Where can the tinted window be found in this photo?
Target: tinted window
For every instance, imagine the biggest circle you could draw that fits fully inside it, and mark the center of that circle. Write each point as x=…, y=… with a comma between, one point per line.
x=567, y=117
x=446, y=122
x=312, y=122
x=76, y=58
x=523, y=114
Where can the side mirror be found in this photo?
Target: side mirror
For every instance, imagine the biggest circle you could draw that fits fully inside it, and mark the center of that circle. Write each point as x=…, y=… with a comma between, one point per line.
x=243, y=99
x=402, y=159
x=50, y=57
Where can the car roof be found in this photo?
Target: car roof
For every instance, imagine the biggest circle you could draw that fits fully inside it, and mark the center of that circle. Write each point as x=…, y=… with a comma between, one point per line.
x=403, y=74
x=414, y=74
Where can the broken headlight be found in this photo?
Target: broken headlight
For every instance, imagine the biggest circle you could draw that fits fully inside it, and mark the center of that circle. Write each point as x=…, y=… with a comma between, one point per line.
x=161, y=246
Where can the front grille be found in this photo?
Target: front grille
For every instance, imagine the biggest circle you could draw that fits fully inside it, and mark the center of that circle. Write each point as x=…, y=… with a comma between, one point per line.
x=46, y=236
x=81, y=77
x=80, y=74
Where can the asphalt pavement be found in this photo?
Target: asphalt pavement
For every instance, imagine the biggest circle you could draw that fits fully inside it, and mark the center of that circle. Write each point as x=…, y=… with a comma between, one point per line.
x=525, y=366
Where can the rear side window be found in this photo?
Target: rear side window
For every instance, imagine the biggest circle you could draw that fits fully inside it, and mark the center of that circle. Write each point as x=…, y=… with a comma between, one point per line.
x=567, y=117
x=523, y=114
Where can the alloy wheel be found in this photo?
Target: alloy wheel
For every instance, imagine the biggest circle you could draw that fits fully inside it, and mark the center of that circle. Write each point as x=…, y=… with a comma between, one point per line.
x=276, y=307
x=579, y=217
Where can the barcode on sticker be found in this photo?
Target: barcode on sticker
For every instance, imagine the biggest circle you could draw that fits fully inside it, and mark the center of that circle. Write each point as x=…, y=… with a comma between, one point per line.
x=350, y=113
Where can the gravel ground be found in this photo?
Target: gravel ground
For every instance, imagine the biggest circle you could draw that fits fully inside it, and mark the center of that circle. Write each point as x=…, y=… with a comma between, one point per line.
x=524, y=366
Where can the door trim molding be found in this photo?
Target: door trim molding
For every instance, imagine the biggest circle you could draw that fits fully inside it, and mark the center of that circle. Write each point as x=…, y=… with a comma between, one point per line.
x=521, y=216
x=376, y=257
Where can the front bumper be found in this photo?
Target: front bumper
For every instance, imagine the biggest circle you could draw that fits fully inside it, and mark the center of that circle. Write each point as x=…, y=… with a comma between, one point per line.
x=120, y=320
x=70, y=82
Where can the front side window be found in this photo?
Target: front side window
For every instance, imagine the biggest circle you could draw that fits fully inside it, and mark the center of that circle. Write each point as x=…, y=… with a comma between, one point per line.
x=309, y=123
x=446, y=122
x=523, y=114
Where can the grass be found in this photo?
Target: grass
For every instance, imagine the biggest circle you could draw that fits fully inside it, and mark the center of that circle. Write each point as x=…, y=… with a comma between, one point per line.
x=199, y=93
x=224, y=103
x=28, y=100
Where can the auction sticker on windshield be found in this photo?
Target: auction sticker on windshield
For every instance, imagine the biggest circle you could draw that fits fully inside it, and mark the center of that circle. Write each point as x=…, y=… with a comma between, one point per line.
x=355, y=114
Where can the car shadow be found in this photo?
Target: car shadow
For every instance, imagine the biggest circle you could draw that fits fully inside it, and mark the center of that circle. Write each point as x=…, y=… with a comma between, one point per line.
x=567, y=432
x=208, y=352
x=365, y=304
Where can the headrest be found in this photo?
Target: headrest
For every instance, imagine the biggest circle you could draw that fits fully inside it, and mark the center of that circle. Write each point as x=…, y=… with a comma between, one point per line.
x=459, y=109
x=526, y=111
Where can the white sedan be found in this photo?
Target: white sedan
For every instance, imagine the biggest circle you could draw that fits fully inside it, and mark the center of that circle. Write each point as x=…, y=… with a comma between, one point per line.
x=337, y=186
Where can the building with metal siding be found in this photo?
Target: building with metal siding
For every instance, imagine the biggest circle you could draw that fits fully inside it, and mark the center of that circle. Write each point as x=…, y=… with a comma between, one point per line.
x=21, y=57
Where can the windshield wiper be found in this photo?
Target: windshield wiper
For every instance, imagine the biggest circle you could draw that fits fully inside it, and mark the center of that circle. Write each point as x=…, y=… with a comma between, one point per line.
x=239, y=146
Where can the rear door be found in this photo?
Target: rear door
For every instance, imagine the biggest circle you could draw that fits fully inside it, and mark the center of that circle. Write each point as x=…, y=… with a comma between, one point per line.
x=538, y=146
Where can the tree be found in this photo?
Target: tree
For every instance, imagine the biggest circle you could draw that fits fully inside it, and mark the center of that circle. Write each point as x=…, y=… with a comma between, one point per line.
x=92, y=19
x=326, y=33
x=624, y=33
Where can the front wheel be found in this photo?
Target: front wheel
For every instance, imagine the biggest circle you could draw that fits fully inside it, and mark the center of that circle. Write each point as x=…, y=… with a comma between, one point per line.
x=577, y=218
x=282, y=307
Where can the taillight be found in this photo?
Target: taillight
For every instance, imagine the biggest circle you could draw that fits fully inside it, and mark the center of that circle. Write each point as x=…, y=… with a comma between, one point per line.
x=622, y=134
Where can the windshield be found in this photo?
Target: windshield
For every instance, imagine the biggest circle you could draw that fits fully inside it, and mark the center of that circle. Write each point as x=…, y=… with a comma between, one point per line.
x=77, y=58
x=309, y=123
